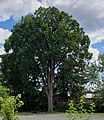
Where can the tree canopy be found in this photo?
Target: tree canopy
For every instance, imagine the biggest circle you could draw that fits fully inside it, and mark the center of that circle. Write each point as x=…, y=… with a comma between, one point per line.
x=43, y=50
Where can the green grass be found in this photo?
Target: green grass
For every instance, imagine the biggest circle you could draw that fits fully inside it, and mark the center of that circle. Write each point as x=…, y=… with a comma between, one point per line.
x=98, y=114
x=94, y=114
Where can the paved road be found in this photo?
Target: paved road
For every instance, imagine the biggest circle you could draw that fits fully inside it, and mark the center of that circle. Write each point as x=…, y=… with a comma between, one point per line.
x=51, y=117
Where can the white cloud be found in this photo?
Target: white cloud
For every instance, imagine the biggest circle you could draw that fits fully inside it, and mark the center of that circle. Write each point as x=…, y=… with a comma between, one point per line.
x=17, y=8
x=97, y=36
x=95, y=53
x=4, y=34
x=2, y=51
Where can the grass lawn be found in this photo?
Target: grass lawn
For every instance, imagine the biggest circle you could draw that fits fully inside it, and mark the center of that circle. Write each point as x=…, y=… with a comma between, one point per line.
x=98, y=114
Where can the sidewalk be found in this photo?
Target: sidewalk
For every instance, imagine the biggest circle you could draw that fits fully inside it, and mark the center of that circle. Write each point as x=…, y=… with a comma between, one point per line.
x=51, y=117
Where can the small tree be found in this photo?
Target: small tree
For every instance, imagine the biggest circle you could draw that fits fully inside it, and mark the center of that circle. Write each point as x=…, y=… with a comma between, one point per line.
x=9, y=107
x=79, y=112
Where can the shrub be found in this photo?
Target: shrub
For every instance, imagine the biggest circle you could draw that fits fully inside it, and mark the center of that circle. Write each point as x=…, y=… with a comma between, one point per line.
x=9, y=107
x=80, y=112
x=4, y=91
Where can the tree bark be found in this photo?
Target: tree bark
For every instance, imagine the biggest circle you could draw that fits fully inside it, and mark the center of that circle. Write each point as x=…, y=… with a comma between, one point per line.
x=50, y=101
x=50, y=78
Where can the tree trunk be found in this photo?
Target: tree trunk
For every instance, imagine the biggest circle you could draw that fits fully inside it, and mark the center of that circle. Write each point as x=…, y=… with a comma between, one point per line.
x=50, y=101
x=50, y=78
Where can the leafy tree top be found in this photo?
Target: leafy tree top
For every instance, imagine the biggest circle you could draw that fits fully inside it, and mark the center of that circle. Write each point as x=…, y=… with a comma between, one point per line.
x=53, y=33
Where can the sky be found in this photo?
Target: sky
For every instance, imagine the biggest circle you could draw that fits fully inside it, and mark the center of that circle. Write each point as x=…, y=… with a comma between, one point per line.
x=89, y=13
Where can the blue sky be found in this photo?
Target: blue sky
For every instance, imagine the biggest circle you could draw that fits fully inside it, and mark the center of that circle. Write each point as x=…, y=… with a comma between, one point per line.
x=99, y=46
x=89, y=13
x=8, y=24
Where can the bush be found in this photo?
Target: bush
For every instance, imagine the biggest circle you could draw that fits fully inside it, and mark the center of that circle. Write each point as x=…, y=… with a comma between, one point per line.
x=9, y=107
x=4, y=91
x=79, y=112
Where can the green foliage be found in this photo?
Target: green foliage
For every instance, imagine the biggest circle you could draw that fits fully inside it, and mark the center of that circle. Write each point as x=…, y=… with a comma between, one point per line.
x=9, y=107
x=99, y=97
x=99, y=92
x=79, y=112
x=4, y=91
x=72, y=110
x=101, y=62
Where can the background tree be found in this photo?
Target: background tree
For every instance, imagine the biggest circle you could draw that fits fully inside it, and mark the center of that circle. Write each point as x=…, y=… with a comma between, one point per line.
x=101, y=63
x=93, y=76
x=42, y=46
x=99, y=92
